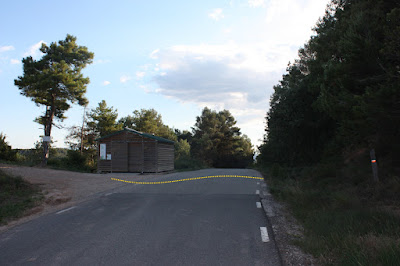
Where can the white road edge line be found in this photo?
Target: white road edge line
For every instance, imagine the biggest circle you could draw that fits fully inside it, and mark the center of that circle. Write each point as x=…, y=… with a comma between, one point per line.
x=258, y=204
x=108, y=194
x=65, y=210
x=257, y=192
x=264, y=234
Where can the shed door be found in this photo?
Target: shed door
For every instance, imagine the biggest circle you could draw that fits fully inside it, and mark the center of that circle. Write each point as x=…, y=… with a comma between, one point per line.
x=119, y=152
x=135, y=157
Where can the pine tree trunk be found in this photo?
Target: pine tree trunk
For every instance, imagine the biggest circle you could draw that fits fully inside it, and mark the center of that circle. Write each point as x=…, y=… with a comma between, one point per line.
x=45, y=153
x=47, y=132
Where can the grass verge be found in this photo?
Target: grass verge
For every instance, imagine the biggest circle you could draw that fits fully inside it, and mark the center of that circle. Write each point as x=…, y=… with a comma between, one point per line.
x=16, y=196
x=347, y=221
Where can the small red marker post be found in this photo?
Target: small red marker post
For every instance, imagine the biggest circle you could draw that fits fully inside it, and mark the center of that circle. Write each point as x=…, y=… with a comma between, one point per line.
x=374, y=165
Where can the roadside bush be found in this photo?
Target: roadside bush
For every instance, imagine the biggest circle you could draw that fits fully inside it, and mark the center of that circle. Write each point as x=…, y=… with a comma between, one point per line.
x=182, y=149
x=77, y=161
x=6, y=153
x=188, y=163
x=74, y=161
x=20, y=157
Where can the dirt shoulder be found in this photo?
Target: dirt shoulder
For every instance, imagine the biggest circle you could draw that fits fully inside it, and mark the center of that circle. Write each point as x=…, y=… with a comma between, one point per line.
x=286, y=231
x=61, y=189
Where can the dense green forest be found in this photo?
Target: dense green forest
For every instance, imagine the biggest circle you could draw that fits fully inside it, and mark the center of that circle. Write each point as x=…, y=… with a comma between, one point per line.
x=339, y=100
x=341, y=97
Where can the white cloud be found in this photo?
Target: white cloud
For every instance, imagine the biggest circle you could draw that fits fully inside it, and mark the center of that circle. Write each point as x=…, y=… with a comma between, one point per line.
x=106, y=82
x=125, y=78
x=216, y=14
x=140, y=74
x=34, y=50
x=239, y=74
x=6, y=48
x=291, y=21
x=230, y=76
x=15, y=61
x=257, y=3
x=153, y=54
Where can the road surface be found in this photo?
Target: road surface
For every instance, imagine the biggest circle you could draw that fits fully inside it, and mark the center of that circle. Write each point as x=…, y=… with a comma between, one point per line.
x=201, y=222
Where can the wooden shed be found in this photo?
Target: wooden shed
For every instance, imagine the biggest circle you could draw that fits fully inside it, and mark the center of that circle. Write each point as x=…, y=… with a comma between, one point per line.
x=129, y=150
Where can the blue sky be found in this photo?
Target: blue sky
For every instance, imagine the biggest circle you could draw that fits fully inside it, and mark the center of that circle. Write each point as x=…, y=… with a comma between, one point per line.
x=174, y=56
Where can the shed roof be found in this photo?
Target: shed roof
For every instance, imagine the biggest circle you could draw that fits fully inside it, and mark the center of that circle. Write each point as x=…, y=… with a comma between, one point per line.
x=146, y=135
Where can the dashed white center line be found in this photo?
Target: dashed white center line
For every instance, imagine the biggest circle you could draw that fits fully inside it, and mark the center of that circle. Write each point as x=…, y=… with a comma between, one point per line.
x=258, y=204
x=258, y=183
x=264, y=234
x=108, y=194
x=257, y=192
x=65, y=210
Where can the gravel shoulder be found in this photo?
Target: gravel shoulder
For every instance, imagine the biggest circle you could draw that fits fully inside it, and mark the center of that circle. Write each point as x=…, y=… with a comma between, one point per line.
x=286, y=230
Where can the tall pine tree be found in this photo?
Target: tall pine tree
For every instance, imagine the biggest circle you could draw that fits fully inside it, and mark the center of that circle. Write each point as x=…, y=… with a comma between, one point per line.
x=55, y=81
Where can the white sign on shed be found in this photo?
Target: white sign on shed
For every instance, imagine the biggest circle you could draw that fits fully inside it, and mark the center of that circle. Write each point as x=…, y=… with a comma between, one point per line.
x=102, y=151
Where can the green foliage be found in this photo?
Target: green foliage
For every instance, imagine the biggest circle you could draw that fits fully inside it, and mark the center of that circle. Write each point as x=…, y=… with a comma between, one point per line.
x=148, y=121
x=184, y=135
x=56, y=78
x=34, y=156
x=74, y=161
x=295, y=132
x=37, y=152
x=83, y=136
x=189, y=164
x=83, y=139
x=79, y=161
x=98, y=122
x=16, y=196
x=218, y=142
x=335, y=103
x=55, y=81
x=342, y=94
x=182, y=149
x=6, y=153
x=103, y=121
x=183, y=158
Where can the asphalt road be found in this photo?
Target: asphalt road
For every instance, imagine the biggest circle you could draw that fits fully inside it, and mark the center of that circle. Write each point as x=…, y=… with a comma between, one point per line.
x=202, y=222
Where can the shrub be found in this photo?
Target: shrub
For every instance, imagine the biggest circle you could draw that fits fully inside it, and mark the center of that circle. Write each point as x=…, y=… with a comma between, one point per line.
x=6, y=153
x=188, y=163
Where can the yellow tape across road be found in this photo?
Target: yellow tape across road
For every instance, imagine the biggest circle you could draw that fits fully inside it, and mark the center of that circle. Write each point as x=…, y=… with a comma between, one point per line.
x=186, y=179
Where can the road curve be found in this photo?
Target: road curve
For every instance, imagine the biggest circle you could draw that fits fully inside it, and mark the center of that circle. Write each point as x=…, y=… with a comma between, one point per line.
x=213, y=221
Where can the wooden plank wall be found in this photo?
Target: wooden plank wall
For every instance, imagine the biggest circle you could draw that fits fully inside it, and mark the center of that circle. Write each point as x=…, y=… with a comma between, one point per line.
x=133, y=153
x=150, y=163
x=119, y=159
x=165, y=157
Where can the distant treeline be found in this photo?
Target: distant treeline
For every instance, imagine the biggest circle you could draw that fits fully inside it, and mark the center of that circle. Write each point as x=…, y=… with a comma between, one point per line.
x=213, y=141
x=341, y=98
